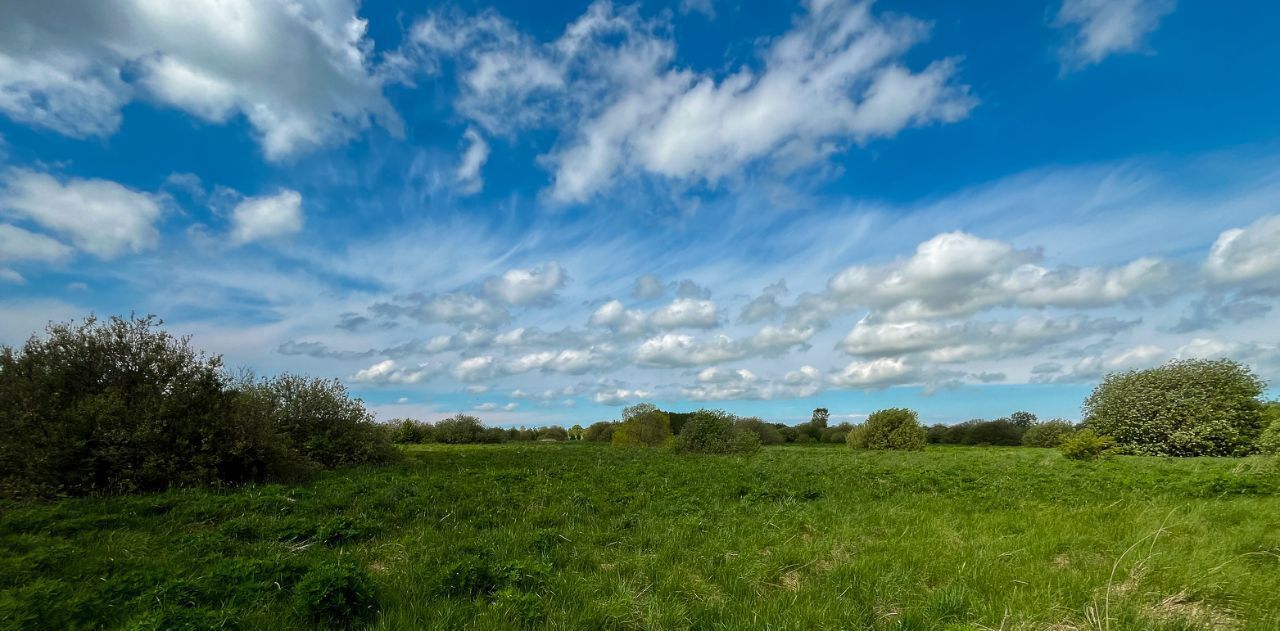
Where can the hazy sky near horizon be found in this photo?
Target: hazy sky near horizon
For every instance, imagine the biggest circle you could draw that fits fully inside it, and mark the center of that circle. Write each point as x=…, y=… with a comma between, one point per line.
x=541, y=212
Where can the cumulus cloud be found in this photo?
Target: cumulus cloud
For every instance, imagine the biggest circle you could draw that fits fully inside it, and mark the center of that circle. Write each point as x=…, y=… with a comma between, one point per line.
x=765, y=306
x=390, y=372
x=1101, y=28
x=968, y=341
x=17, y=244
x=100, y=217
x=531, y=286
x=609, y=83
x=958, y=274
x=686, y=313
x=1094, y=367
x=478, y=368
x=267, y=217
x=301, y=73
x=620, y=396
x=467, y=176
x=1247, y=256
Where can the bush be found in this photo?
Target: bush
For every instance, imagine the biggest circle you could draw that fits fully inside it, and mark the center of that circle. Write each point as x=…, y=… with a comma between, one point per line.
x=319, y=419
x=555, y=432
x=894, y=428
x=410, y=432
x=1269, y=441
x=767, y=433
x=120, y=405
x=1184, y=408
x=714, y=432
x=1048, y=434
x=459, y=429
x=338, y=595
x=1086, y=445
x=643, y=425
x=600, y=432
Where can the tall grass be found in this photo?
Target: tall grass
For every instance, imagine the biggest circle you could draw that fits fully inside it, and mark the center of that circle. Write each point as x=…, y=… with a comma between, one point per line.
x=582, y=536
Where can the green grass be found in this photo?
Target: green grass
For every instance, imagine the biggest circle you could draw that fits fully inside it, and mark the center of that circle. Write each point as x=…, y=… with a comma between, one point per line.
x=594, y=537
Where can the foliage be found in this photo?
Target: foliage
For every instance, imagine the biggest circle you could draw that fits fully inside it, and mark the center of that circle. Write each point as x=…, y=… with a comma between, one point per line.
x=768, y=433
x=336, y=595
x=820, y=417
x=715, y=432
x=1002, y=431
x=459, y=429
x=555, y=432
x=1086, y=445
x=318, y=419
x=599, y=432
x=1023, y=420
x=1048, y=434
x=409, y=431
x=1269, y=441
x=893, y=428
x=643, y=425
x=582, y=536
x=1184, y=408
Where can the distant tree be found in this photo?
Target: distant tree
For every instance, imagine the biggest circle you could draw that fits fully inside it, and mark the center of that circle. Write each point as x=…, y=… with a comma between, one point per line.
x=643, y=425
x=936, y=433
x=789, y=432
x=599, y=432
x=410, y=432
x=1001, y=431
x=1023, y=419
x=555, y=432
x=459, y=429
x=768, y=433
x=893, y=428
x=1189, y=407
x=715, y=432
x=1048, y=434
x=576, y=432
x=820, y=417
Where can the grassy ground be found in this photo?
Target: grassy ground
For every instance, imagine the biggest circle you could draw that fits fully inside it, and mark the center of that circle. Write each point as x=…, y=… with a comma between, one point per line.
x=593, y=537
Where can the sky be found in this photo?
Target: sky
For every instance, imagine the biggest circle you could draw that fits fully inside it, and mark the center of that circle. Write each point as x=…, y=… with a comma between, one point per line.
x=543, y=212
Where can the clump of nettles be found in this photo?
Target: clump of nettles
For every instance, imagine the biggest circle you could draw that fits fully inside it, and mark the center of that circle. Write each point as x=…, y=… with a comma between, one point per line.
x=338, y=595
x=714, y=432
x=894, y=428
x=1086, y=445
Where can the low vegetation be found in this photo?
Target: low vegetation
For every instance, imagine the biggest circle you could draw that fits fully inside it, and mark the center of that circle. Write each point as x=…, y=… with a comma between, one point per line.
x=895, y=428
x=576, y=535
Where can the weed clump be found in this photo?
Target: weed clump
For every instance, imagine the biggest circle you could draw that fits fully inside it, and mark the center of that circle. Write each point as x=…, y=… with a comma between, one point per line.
x=338, y=595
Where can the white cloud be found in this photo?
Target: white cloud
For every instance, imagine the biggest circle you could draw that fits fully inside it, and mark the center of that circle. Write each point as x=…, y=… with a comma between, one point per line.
x=1105, y=27
x=616, y=317
x=877, y=373
x=453, y=308
x=390, y=372
x=10, y=276
x=620, y=396
x=100, y=217
x=686, y=313
x=609, y=84
x=477, y=368
x=968, y=341
x=467, y=176
x=267, y=217
x=671, y=349
x=1247, y=255
x=300, y=72
x=17, y=244
x=956, y=274
x=531, y=286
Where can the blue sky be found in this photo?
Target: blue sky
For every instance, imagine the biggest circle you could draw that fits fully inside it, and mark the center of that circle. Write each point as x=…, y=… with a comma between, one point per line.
x=541, y=212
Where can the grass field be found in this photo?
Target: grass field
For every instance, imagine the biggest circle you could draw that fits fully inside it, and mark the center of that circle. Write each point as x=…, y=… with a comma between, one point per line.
x=578, y=536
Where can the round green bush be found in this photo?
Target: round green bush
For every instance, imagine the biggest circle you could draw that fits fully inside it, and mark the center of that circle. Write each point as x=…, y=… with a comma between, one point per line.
x=1184, y=408
x=714, y=432
x=1048, y=434
x=336, y=595
x=893, y=428
x=1086, y=445
x=643, y=425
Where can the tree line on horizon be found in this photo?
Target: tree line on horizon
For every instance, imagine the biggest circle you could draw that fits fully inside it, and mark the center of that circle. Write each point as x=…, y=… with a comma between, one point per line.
x=120, y=405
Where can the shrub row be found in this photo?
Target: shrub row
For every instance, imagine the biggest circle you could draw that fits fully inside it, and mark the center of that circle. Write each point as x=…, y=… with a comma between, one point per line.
x=121, y=405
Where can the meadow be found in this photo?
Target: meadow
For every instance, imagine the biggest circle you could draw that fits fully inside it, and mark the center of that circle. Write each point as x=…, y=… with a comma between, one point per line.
x=584, y=536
